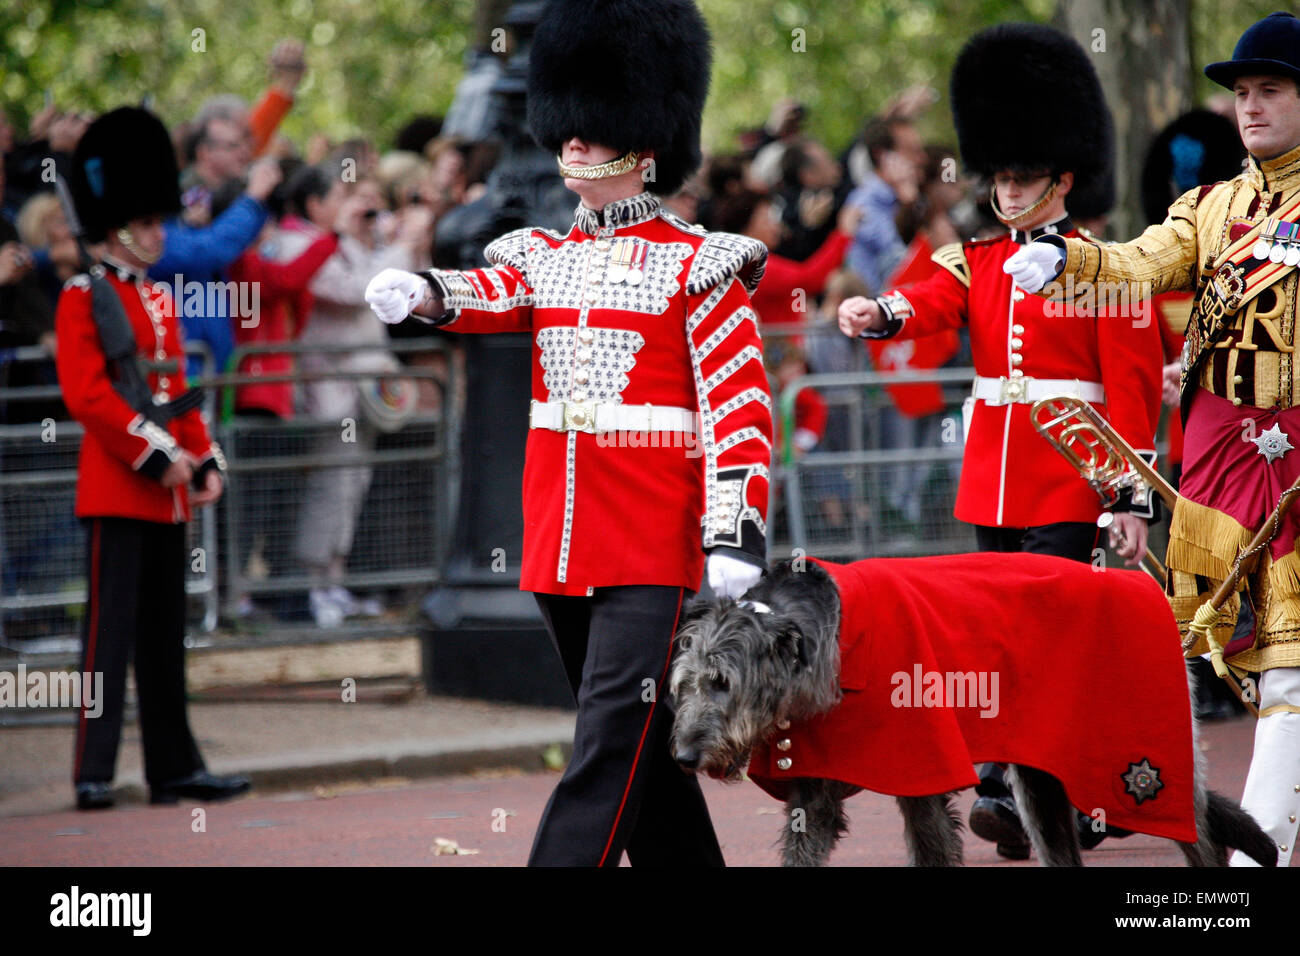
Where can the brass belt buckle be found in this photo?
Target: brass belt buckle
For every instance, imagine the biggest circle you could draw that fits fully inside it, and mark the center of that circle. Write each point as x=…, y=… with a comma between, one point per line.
x=1013, y=390
x=580, y=417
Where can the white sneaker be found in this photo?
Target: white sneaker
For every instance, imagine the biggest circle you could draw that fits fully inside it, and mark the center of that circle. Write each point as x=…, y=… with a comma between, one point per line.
x=324, y=609
x=351, y=605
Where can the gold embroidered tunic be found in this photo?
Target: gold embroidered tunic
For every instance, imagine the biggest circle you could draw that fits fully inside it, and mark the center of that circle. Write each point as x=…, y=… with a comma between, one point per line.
x=1238, y=380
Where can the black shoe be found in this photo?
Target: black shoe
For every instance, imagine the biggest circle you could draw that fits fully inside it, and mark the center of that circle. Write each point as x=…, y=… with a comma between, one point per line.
x=995, y=819
x=199, y=786
x=94, y=796
x=1090, y=838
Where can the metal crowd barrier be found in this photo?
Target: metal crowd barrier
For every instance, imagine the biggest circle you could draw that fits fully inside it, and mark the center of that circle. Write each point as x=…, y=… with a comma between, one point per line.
x=275, y=466
x=879, y=484
x=244, y=546
x=42, y=544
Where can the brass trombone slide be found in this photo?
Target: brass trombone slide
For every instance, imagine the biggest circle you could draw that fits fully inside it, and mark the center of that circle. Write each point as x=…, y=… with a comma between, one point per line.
x=1110, y=465
x=1105, y=460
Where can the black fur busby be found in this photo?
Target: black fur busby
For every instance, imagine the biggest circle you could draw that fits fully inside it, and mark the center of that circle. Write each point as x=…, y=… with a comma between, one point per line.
x=124, y=168
x=627, y=74
x=1025, y=97
x=1198, y=148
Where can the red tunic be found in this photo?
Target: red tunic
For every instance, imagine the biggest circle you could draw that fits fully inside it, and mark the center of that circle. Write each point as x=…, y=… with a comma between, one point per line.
x=1056, y=647
x=628, y=508
x=121, y=449
x=282, y=289
x=921, y=353
x=1011, y=476
x=784, y=297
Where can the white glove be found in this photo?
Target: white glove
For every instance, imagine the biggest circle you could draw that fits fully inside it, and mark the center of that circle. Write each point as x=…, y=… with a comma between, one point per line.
x=730, y=577
x=1035, y=265
x=394, y=293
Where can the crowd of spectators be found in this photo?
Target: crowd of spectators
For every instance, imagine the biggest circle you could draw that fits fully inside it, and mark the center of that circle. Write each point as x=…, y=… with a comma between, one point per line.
x=858, y=224
x=307, y=227
x=309, y=223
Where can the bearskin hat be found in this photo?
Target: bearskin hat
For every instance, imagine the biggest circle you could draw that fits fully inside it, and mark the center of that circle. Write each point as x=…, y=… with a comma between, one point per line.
x=124, y=168
x=1196, y=149
x=1026, y=97
x=627, y=74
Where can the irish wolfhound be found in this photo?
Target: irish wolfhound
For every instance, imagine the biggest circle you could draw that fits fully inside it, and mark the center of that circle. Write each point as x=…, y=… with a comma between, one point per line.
x=745, y=669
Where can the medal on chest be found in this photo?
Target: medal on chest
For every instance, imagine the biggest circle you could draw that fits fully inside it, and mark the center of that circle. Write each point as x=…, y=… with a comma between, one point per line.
x=1279, y=242
x=627, y=261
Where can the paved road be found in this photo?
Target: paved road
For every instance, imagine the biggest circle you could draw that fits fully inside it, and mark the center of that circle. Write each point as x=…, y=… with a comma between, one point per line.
x=397, y=822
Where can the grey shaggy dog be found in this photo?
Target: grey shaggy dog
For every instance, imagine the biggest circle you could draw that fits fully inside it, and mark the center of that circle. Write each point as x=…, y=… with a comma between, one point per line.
x=741, y=674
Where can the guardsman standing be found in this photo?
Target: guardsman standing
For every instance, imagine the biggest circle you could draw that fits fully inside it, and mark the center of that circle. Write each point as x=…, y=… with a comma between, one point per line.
x=1017, y=490
x=146, y=458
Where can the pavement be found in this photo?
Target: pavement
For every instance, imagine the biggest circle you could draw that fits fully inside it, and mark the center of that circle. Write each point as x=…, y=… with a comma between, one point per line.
x=302, y=737
x=381, y=780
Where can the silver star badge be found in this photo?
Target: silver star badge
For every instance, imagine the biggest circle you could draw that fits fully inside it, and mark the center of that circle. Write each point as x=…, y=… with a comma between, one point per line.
x=1273, y=444
x=1142, y=781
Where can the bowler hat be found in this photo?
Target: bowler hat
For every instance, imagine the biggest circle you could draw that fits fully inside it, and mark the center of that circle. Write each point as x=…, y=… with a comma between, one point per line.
x=1270, y=47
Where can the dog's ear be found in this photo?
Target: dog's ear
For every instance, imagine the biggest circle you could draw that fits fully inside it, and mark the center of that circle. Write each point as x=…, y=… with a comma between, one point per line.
x=693, y=612
x=690, y=616
x=789, y=643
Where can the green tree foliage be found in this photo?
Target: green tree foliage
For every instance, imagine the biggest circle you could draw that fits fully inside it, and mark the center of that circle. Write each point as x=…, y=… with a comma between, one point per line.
x=372, y=63
x=375, y=63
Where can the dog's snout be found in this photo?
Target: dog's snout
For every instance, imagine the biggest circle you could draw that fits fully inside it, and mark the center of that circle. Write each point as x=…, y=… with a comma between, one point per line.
x=688, y=758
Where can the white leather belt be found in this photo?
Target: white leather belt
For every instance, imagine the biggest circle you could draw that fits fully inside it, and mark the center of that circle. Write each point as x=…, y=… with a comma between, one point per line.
x=1026, y=390
x=608, y=417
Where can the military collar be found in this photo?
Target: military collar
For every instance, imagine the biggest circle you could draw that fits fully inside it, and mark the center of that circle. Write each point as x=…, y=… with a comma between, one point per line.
x=617, y=214
x=1058, y=228
x=124, y=272
x=1279, y=173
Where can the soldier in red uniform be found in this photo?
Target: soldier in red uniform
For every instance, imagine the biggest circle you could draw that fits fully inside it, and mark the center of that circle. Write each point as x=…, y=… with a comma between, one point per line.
x=651, y=419
x=143, y=464
x=1018, y=491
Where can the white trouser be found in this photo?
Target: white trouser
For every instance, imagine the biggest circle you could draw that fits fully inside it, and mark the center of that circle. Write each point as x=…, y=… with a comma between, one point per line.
x=1272, y=794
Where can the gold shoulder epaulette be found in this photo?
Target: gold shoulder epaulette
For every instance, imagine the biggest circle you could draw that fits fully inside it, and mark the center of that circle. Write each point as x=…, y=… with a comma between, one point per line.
x=953, y=258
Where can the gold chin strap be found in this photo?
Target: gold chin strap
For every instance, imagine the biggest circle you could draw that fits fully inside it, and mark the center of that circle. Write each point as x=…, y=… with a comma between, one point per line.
x=615, y=167
x=125, y=238
x=1026, y=214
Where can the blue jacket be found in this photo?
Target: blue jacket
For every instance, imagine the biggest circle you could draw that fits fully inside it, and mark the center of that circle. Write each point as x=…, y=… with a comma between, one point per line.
x=202, y=255
x=877, y=247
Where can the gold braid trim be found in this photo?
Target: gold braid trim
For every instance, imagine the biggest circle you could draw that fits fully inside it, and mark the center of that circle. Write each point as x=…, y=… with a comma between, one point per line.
x=1204, y=541
x=614, y=167
x=1284, y=576
x=1279, y=709
x=953, y=258
x=1277, y=636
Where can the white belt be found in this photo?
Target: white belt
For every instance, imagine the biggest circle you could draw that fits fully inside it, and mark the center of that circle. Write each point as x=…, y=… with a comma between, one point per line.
x=608, y=417
x=1009, y=391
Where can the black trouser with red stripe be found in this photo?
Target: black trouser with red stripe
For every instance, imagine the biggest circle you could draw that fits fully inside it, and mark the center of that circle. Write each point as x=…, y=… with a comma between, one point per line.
x=622, y=790
x=1064, y=539
x=136, y=607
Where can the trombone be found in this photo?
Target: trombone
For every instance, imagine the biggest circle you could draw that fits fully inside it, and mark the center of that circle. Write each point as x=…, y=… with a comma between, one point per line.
x=1106, y=461
x=1110, y=465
